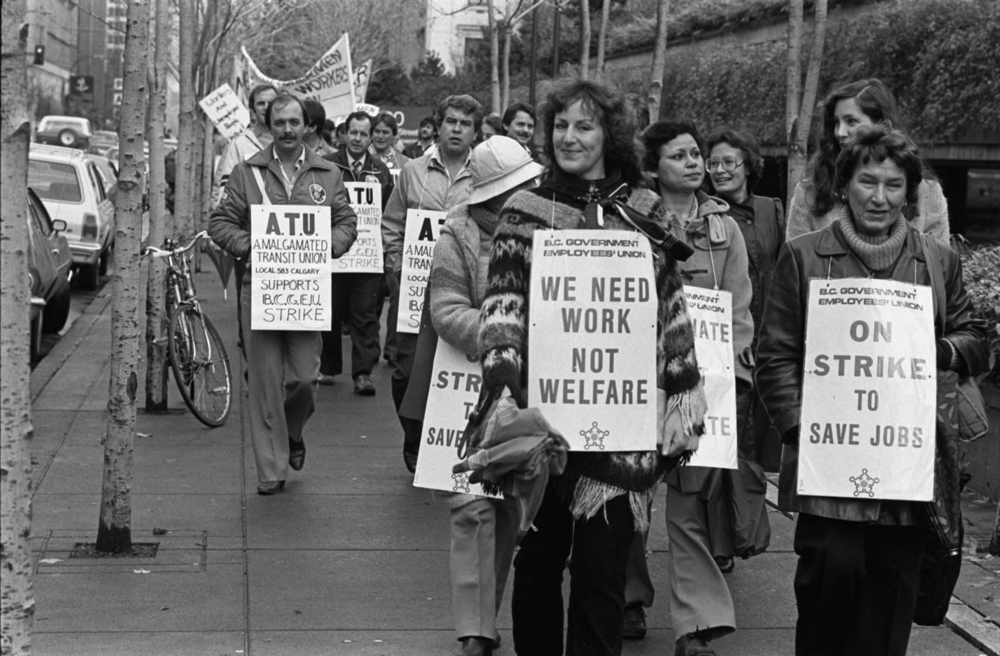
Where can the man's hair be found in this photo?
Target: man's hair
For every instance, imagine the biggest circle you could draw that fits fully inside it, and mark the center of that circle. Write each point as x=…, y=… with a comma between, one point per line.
x=511, y=113
x=341, y=129
x=388, y=120
x=260, y=88
x=315, y=114
x=429, y=120
x=283, y=100
x=359, y=116
x=745, y=143
x=463, y=103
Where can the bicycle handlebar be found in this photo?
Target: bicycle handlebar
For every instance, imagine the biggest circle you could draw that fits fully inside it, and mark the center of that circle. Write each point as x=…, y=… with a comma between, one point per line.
x=177, y=250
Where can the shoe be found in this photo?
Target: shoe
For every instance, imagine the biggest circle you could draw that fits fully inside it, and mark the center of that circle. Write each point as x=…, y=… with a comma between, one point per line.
x=410, y=459
x=634, y=624
x=726, y=563
x=296, y=453
x=476, y=646
x=364, y=386
x=693, y=644
x=389, y=359
x=326, y=380
x=270, y=487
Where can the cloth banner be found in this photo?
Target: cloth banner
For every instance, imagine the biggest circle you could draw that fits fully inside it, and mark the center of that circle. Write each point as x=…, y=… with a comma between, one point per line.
x=362, y=76
x=330, y=80
x=712, y=318
x=592, y=352
x=365, y=255
x=290, y=259
x=423, y=227
x=869, y=391
x=454, y=391
x=226, y=111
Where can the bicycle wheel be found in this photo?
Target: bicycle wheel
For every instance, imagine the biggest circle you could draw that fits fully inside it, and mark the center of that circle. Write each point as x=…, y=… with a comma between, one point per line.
x=200, y=365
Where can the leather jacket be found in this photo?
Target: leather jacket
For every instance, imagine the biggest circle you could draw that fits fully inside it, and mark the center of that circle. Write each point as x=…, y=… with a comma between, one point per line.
x=780, y=354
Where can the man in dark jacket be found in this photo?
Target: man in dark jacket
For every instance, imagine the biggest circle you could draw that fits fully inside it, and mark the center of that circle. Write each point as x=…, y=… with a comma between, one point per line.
x=356, y=295
x=282, y=366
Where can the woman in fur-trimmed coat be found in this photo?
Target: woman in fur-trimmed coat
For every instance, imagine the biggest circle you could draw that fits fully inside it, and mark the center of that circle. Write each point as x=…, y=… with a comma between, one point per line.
x=594, y=509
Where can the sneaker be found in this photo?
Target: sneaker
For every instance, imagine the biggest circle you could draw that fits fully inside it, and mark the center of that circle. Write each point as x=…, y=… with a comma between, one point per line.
x=325, y=379
x=364, y=386
x=634, y=624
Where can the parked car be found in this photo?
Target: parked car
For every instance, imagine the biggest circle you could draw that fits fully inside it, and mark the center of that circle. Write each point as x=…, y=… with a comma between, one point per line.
x=72, y=189
x=108, y=171
x=50, y=270
x=66, y=131
x=102, y=141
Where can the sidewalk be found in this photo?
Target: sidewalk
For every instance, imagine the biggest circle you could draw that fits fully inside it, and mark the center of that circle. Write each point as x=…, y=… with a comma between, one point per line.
x=350, y=559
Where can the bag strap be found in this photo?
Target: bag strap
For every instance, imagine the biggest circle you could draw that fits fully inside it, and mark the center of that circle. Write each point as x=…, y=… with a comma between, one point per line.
x=933, y=256
x=260, y=184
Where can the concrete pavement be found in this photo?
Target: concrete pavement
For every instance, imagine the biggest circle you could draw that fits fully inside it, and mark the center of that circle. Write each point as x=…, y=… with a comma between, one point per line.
x=350, y=559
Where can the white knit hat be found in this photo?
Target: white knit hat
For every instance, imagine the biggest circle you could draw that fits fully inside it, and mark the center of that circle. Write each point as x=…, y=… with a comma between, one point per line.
x=499, y=164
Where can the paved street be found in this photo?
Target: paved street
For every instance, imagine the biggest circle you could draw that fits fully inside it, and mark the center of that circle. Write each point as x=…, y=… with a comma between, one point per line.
x=350, y=559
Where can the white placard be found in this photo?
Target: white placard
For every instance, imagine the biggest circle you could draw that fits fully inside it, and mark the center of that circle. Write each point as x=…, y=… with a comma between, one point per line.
x=365, y=255
x=229, y=115
x=869, y=391
x=455, y=384
x=423, y=227
x=592, y=352
x=290, y=258
x=711, y=314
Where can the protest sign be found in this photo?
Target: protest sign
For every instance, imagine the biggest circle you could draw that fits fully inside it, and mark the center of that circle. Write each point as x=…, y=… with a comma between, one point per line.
x=290, y=263
x=869, y=391
x=227, y=113
x=711, y=314
x=592, y=352
x=365, y=255
x=454, y=391
x=423, y=227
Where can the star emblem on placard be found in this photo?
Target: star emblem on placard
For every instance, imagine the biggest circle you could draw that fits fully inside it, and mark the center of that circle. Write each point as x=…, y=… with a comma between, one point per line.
x=594, y=437
x=864, y=484
x=461, y=482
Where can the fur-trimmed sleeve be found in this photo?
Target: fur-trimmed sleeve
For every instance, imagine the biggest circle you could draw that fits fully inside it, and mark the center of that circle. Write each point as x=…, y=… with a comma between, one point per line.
x=932, y=212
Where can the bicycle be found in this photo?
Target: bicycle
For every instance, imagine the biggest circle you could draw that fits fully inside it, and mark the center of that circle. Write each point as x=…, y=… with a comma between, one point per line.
x=196, y=353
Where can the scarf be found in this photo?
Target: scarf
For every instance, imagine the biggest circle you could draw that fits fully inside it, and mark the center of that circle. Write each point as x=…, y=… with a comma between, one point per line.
x=877, y=252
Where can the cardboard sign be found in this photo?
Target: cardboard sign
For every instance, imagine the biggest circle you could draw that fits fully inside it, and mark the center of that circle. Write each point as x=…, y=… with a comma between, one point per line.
x=423, y=227
x=290, y=257
x=229, y=115
x=869, y=391
x=592, y=351
x=454, y=391
x=712, y=319
x=365, y=255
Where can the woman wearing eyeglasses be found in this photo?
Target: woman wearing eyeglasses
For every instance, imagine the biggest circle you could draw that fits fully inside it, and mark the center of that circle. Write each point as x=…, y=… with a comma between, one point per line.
x=734, y=167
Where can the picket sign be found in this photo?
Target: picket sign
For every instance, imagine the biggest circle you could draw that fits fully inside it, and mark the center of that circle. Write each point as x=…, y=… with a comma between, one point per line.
x=423, y=227
x=290, y=258
x=711, y=314
x=869, y=391
x=592, y=352
x=453, y=394
x=365, y=254
x=226, y=111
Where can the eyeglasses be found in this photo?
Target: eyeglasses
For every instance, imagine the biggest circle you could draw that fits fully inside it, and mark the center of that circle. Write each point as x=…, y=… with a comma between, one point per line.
x=728, y=164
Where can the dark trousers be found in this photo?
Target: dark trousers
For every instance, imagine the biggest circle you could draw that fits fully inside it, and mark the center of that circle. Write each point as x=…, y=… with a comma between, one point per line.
x=390, y=290
x=855, y=586
x=600, y=548
x=355, y=301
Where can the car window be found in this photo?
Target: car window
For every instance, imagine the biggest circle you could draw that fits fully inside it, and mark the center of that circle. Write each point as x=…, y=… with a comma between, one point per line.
x=98, y=181
x=38, y=219
x=54, y=126
x=55, y=181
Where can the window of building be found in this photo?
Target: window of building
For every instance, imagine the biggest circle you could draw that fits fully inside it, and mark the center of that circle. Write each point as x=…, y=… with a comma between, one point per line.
x=982, y=205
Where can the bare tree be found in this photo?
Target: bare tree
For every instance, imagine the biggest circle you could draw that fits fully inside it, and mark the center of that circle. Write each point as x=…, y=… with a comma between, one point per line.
x=510, y=13
x=114, y=529
x=494, y=57
x=156, y=364
x=799, y=106
x=659, y=60
x=17, y=608
x=187, y=157
x=602, y=37
x=584, y=39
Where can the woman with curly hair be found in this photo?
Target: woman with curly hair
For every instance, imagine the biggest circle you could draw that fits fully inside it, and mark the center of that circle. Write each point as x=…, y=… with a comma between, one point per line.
x=596, y=506
x=816, y=201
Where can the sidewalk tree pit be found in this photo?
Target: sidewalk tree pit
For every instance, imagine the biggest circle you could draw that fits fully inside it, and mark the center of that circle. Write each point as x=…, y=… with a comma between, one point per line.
x=139, y=550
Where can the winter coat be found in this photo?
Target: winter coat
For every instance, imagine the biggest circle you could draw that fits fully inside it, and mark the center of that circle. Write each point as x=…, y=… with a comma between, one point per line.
x=372, y=170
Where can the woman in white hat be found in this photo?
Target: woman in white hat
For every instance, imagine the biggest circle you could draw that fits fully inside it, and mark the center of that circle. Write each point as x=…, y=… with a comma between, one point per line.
x=483, y=530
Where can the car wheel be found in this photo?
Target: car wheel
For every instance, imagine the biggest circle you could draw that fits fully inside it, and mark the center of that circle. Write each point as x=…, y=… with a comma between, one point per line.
x=68, y=138
x=89, y=276
x=103, y=264
x=56, y=312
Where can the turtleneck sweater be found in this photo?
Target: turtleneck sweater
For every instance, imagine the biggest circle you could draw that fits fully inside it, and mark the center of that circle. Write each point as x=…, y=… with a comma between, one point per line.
x=877, y=252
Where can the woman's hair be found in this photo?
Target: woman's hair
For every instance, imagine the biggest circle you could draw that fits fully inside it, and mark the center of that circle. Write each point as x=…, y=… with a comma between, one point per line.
x=877, y=103
x=621, y=152
x=494, y=122
x=663, y=132
x=388, y=120
x=877, y=144
x=752, y=161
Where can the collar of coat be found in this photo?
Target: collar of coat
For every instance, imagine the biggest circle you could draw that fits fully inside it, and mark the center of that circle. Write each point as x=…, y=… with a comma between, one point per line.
x=832, y=242
x=265, y=157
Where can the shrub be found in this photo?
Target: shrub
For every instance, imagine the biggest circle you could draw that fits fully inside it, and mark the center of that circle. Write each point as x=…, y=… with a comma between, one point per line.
x=981, y=274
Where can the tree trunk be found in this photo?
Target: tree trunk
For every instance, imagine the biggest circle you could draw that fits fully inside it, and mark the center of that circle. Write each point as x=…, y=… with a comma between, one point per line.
x=505, y=95
x=114, y=530
x=17, y=605
x=602, y=37
x=556, y=37
x=584, y=39
x=793, y=95
x=994, y=548
x=156, y=288
x=494, y=59
x=659, y=61
x=187, y=156
x=812, y=78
